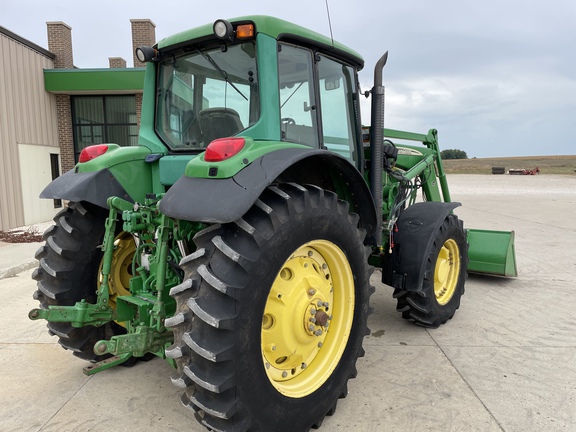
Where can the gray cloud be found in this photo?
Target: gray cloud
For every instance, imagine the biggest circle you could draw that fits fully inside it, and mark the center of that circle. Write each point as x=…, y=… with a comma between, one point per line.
x=497, y=78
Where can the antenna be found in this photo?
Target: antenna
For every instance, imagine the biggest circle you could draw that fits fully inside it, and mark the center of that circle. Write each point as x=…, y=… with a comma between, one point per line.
x=330, y=23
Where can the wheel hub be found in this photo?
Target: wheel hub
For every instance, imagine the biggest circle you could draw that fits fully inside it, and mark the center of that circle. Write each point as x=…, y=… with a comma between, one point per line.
x=302, y=288
x=121, y=268
x=447, y=271
x=298, y=317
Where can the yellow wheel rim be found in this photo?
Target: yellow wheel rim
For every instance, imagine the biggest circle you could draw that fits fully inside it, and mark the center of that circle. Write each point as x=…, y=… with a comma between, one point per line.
x=447, y=272
x=121, y=269
x=307, y=318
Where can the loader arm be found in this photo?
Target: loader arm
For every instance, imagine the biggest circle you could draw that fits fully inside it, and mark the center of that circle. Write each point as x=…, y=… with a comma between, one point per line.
x=490, y=252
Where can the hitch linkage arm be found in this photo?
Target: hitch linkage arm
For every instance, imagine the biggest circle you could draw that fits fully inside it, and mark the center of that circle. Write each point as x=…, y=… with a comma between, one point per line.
x=99, y=313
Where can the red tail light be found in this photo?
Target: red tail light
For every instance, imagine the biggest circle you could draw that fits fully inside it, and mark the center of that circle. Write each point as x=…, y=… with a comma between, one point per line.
x=223, y=148
x=93, y=152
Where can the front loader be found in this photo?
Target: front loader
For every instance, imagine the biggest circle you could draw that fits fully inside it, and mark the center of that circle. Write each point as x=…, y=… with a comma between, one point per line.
x=237, y=240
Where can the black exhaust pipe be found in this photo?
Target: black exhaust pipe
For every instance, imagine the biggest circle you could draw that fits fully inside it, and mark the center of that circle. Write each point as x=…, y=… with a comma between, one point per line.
x=377, y=143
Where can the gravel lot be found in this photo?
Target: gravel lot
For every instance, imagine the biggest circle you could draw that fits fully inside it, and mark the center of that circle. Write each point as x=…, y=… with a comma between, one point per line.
x=476, y=184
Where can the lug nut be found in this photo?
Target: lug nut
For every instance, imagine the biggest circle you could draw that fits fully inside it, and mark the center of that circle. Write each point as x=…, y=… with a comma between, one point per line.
x=312, y=319
x=318, y=332
x=284, y=374
x=311, y=292
x=312, y=311
x=311, y=327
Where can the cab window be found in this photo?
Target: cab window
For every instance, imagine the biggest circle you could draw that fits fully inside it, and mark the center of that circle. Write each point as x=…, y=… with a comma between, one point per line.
x=337, y=96
x=297, y=98
x=206, y=94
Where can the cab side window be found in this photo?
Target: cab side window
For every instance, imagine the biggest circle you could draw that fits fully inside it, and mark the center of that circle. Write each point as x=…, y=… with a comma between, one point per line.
x=337, y=95
x=297, y=98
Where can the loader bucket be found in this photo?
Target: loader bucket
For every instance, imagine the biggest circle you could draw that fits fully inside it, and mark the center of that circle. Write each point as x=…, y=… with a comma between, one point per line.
x=491, y=252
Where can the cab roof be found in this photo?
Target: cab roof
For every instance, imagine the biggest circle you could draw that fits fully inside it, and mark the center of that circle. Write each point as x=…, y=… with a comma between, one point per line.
x=274, y=27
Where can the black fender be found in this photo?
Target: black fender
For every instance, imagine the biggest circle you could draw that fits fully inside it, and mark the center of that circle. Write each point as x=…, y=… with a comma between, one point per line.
x=226, y=200
x=404, y=268
x=95, y=187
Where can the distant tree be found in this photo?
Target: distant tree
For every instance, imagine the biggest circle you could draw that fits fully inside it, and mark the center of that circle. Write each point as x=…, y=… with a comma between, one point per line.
x=453, y=154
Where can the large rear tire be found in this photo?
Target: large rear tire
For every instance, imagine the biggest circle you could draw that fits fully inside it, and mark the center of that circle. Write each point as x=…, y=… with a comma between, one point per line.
x=68, y=272
x=272, y=313
x=444, y=277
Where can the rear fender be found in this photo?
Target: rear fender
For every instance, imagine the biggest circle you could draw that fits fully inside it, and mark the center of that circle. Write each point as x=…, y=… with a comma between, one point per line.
x=121, y=171
x=124, y=172
x=416, y=227
x=226, y=200
x=95, y=187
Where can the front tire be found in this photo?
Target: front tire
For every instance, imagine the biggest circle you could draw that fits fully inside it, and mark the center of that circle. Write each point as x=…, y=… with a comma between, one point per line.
x=272, y=312
x=444, y=277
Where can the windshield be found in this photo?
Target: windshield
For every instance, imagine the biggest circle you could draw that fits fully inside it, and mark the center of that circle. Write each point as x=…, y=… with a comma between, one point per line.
x=206, y=94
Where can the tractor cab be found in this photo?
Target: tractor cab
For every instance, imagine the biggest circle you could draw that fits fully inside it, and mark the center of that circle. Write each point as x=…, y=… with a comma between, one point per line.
x=252, y=78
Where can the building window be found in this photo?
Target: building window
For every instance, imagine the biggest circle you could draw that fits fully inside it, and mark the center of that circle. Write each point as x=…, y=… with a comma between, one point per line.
x=104, y=119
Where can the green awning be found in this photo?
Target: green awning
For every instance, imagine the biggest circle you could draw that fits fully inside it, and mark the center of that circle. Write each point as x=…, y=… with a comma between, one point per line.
x=94, y=81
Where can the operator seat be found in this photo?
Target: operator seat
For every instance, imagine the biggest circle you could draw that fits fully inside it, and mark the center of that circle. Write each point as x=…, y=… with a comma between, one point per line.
x=192, y=135
x=219, y=123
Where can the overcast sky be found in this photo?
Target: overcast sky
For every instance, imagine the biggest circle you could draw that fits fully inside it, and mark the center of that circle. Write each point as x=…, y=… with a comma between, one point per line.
x=495, y=77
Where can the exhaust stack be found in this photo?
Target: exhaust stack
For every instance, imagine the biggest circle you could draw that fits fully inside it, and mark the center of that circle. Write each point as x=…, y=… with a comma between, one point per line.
x=377, y=143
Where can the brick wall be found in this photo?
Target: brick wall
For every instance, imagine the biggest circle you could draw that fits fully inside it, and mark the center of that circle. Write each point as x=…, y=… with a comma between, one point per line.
x=138, y=108
x=60, y=43
x=116, y=62
x=143, y=34
x=65, y=137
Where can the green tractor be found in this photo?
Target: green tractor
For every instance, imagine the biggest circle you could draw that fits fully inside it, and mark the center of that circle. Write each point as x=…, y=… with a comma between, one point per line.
x=237, y=240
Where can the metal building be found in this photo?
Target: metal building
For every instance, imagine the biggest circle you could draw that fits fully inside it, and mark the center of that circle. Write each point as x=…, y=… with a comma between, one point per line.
x=51, y=110
x=28, y=131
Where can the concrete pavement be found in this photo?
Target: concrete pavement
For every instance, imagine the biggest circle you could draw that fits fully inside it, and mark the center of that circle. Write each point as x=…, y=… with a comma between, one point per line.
x=506, y=362
x=17, y=257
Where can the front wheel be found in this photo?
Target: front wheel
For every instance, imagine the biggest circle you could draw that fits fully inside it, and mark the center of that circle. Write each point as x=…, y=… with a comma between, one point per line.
x=444, y=277
x=272, y=313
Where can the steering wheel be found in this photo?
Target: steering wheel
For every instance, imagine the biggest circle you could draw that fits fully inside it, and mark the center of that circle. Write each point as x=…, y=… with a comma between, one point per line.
x=288, y=121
